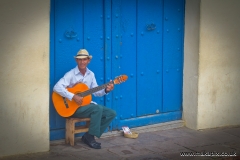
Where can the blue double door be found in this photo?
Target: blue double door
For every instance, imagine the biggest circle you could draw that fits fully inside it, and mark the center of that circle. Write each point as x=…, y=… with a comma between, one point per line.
x=139, y=38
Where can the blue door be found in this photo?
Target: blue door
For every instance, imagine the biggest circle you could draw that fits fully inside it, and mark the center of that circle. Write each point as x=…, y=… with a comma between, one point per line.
x=143, y=39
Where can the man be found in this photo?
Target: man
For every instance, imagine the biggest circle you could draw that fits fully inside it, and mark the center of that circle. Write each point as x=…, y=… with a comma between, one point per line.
x=101, y=116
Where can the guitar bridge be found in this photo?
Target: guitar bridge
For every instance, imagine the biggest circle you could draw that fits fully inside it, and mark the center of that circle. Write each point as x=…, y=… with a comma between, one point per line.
x=65, y=102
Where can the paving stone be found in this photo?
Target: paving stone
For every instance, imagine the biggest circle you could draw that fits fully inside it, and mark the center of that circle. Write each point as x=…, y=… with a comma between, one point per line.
x=147, y=157
x=189, y=142
x=178, y=132
x=114, y=141
x=66, y=148
x=120, y=140
x=160, y=147
x=232, y=131
x=151, y=147
x=96, y=154
x=129, y=151
x=106, y=144
x=166, y=146
x=14, y=157
x=234, y=144
x=42, y=156
x=147, y=138
x=220, y=136
x=52, y=156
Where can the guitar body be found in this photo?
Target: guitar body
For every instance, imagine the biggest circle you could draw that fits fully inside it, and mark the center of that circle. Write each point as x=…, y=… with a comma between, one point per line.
x=69, y=109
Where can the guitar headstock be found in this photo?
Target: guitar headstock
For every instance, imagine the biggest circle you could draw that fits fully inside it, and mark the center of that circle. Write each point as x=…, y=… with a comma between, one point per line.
x=120, y=79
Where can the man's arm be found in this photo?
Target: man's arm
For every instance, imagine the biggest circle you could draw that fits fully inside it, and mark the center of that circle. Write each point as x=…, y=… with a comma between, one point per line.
x=103, y=91
x=61, y=85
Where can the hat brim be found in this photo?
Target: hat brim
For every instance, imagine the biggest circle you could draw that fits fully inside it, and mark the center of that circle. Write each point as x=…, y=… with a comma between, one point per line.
x=82, y=57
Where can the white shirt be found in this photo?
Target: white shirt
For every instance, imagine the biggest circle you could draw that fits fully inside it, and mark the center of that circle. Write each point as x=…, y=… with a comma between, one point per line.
x=73, y=77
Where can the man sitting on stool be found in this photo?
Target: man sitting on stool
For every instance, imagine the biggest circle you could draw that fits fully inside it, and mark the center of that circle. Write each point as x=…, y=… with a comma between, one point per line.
x=101, y=116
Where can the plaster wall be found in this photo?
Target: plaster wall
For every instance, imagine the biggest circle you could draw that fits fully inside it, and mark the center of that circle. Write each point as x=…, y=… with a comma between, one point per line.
x=191, y=63
x=219, y=64
x=24, y=81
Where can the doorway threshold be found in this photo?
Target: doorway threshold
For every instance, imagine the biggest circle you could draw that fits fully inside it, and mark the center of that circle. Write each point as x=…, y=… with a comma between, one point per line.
x=148, y=128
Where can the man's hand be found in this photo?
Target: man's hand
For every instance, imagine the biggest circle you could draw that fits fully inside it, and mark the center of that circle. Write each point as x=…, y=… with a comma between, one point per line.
x=109, y=87
x=78, y=99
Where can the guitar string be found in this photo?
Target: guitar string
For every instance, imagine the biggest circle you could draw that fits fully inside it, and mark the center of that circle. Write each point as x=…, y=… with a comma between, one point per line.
x=85, y=93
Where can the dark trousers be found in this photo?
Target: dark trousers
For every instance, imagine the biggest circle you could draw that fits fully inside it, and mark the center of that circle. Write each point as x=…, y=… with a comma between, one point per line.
x=101, y=117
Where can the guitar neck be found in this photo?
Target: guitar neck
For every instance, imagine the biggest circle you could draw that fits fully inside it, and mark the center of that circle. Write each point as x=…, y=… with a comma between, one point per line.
x=93, y=90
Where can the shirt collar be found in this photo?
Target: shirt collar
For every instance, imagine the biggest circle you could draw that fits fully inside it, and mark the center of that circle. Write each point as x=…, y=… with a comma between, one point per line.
x=76, y=71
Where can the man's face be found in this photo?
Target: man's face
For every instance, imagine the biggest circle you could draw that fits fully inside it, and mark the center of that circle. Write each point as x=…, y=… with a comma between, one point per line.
x=82, y=63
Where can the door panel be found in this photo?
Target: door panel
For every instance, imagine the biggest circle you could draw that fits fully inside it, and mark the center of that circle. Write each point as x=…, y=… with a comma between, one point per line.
x=173, y=55
x=149, y=57
x=93, y=39
x=66, y=45
x=124, y=57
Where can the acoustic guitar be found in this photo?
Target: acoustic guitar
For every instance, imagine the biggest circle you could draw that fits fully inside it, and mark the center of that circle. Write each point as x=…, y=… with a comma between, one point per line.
x=66, y=108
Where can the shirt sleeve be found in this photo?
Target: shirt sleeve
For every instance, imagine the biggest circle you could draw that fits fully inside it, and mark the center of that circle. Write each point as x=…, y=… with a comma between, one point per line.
x=94, y=84
x=62, y=84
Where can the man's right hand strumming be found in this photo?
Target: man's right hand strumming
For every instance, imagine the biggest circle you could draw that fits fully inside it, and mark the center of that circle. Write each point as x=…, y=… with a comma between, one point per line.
x=78, y=99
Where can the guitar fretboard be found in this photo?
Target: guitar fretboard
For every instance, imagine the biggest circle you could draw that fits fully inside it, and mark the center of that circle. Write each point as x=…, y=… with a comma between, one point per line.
x=93, y=90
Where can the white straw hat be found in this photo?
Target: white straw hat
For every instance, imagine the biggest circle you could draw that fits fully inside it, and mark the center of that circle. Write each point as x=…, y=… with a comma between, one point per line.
x=83, y=53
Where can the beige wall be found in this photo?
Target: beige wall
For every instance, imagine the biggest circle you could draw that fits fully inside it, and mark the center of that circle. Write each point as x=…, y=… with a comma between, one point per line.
x=217, y=70
x=24, y=81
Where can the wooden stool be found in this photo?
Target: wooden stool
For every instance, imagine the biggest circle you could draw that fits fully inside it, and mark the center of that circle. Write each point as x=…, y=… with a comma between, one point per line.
x=71, y=129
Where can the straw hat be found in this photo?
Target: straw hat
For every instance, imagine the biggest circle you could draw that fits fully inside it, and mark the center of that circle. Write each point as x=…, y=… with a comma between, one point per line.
x=83, y=53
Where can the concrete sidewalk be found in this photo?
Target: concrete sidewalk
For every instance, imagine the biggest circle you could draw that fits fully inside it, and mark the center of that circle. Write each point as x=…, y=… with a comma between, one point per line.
x=154, y=145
